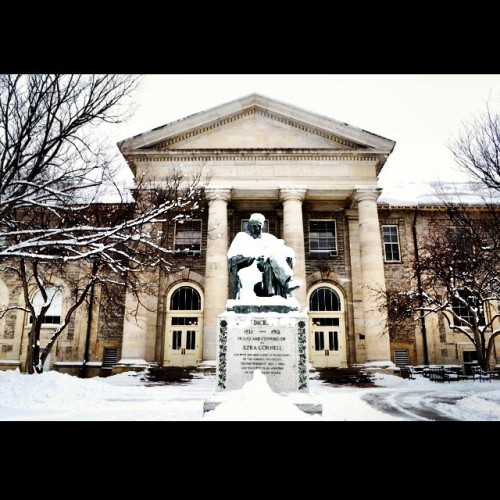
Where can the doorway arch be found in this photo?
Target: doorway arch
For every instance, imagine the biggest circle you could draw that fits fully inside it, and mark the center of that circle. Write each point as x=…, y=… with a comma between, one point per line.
x=183, y=339
x=327, y=337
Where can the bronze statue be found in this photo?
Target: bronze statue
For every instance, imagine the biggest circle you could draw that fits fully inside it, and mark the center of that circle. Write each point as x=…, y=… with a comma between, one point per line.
x=262, y=253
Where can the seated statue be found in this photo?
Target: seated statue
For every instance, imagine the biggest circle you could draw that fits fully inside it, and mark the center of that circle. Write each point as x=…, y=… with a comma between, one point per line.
x=260, y=264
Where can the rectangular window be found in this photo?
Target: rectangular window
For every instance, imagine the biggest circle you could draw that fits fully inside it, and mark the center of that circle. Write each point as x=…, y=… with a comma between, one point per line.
x=401, y=357
x=326, y=321
x=191, y=340
x=188, y=237
x=244, y=225
x=460, y=239
x=49, y=320
x=322, y=239
x=176, y=321
x=391, y=243
x=53, y=314
x=319, y=341
x=466, y=308
x=176, y=340
x=470, y=356
x=333, y=341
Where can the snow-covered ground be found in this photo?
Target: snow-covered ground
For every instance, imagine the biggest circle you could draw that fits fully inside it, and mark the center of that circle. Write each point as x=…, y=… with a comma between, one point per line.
x=54, y=396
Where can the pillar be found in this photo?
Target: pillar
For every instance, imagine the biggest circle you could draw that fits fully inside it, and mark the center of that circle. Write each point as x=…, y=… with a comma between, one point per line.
x=372, y=276
x=293, y=234
x=139, y=328
x=216, y=274
x=355, y=314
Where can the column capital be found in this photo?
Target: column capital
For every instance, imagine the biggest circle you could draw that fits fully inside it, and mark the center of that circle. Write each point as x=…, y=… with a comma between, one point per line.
x=366, y=194
x=215, y=193
x=293, y=193
x=352, y=214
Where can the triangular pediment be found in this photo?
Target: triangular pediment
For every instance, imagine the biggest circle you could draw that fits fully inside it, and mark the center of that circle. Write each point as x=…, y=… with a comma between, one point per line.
x=254, y=128
x=256, y=122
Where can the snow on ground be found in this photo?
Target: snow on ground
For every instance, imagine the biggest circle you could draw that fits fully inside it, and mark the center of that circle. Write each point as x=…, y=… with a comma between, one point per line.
x=55, y=396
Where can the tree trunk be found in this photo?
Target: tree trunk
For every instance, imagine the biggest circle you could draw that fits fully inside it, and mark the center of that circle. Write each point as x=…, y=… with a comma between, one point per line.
x=33, y=364
x=489, y=364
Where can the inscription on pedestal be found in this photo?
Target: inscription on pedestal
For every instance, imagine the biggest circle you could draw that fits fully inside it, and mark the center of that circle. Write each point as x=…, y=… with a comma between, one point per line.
x=272, y=343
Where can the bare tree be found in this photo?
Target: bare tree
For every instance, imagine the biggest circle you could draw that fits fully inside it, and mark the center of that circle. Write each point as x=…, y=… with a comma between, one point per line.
x=53, y=174
x=458, y=269
x=476, y=148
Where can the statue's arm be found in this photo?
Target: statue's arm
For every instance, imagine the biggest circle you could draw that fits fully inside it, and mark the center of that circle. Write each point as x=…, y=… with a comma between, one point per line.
x=238, y=262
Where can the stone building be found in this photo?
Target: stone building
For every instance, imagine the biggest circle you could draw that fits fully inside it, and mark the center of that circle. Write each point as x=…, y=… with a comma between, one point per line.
x=316, y=182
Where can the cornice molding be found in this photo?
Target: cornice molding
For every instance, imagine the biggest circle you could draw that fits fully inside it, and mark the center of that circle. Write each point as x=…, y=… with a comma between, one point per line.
x=247, y=155
x=256, y=110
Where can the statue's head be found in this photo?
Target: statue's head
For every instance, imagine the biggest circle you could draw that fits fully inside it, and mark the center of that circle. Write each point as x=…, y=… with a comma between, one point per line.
x=255, y=225
x=258, y=217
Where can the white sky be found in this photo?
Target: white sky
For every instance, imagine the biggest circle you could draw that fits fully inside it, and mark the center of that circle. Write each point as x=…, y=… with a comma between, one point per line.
x=421, y=113
x=54, y=396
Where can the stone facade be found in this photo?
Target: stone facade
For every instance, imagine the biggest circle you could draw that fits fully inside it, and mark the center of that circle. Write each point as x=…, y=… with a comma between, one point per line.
x=298, y=169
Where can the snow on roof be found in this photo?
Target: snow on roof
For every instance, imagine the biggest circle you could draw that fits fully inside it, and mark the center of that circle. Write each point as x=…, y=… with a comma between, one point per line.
x=434, y=193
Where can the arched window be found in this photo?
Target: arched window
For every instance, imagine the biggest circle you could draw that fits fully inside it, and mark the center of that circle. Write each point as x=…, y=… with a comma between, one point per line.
x=324, y=299
x=185, y=298
x=53, y=314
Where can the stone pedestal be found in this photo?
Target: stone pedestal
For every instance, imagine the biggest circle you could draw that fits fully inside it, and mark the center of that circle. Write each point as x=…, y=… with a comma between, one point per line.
x=275, y=343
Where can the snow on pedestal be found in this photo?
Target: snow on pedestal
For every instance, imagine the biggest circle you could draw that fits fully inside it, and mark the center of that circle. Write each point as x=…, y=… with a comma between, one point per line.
x=256, y=401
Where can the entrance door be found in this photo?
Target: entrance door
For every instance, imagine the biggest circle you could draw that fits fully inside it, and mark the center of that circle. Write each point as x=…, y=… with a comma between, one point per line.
x=183, y=345
x=327, y=341
x=327, y=351
x=184, y=325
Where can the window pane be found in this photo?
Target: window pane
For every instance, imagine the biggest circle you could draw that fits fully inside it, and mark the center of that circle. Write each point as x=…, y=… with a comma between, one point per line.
x=466, y=310
x=470, y=356
x=391, y=243
x=326, y=321
x=330, y=341
x=322, y=239
x=191, y=340
x=53, y=314
x=176, y=339
x=188, y=237
x=319, y=341
x=324, y=299
x=185, y=298
x=333, y=341
x=184, y=321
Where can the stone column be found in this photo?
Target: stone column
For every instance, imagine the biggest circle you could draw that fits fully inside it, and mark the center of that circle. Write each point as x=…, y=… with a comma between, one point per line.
x=216, y=274
x=293, y=234
x=372, y=276
x=355, y=313
x=139, y=328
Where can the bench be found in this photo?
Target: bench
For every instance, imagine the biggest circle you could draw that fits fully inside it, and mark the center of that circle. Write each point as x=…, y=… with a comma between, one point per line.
x=440, y=374
x=412, y=372
x=478, y=372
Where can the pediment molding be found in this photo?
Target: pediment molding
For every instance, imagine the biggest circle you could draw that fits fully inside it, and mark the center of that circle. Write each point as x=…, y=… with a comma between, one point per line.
x=252, y=111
